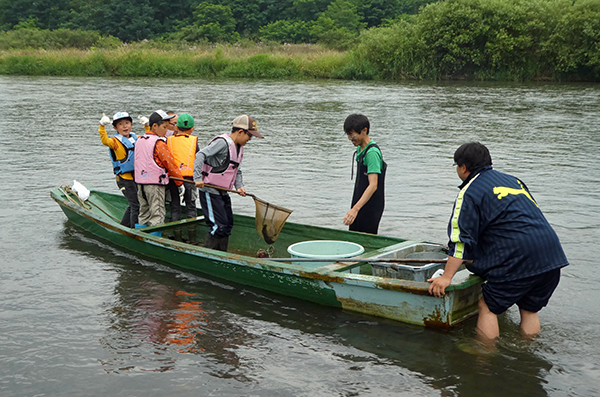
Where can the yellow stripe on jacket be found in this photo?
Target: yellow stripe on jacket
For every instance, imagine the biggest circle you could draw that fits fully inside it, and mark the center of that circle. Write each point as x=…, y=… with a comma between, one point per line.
x=455, y=235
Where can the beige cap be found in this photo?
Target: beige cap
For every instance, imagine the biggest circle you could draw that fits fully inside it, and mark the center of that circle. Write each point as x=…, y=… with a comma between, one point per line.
x=247, y=123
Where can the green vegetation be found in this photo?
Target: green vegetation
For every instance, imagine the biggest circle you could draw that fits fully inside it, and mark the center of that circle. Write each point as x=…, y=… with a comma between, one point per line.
x=212, y=20
x=291, y=62
x=345, y=39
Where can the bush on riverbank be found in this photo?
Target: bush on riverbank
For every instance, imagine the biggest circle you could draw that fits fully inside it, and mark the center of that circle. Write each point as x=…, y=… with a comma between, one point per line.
x=34, y=38
x=490, y=40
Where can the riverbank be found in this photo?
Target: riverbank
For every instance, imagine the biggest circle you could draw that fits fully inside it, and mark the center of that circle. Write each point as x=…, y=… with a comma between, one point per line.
x=257, y=61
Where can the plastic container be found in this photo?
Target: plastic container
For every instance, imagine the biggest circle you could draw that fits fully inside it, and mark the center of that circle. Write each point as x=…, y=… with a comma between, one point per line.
x=416, y=271
x=323, y=249
x=425, y=255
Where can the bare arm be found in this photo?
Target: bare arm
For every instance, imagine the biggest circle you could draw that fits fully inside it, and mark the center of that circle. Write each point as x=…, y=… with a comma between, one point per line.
x=438, y=285
x=366, y=196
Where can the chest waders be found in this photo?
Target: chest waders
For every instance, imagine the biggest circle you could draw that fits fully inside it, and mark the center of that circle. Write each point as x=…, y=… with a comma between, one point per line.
x=369, y=216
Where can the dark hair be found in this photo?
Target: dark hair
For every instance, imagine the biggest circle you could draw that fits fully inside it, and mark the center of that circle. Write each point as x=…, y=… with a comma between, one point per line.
x=473, y=155
x=356, y=122
x=157, y=122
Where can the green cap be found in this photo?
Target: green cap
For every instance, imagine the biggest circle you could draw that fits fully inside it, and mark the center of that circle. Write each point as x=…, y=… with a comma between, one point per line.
x=185, y=121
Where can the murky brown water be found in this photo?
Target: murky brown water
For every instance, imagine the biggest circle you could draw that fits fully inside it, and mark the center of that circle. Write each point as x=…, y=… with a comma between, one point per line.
x=79, y=317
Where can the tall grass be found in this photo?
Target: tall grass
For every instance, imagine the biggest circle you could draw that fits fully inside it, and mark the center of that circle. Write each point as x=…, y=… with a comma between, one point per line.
x=206, y=62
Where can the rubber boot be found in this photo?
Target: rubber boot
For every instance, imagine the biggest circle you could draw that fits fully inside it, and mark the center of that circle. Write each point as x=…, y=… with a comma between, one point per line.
x=211, y=241
x=223, y=243
x=192, y=238
x=177, y=233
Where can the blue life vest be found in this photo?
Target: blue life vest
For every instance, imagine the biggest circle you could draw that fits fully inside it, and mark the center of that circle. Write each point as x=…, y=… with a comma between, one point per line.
x=126, y=164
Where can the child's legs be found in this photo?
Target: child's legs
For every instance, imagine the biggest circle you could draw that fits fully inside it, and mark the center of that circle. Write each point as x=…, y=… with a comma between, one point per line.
x=229, y=214
x=215, y=213
x=129, y=189
x=144, y=213
x=175, y=202
x=190, y=200
x=152, y=204
x=487, y=322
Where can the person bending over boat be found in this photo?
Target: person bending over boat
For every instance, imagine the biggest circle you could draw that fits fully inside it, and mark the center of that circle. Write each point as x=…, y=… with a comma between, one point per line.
x=122, y=145
x=497, y=223
x=153, y=166
x=219, y=164
x=368, y=199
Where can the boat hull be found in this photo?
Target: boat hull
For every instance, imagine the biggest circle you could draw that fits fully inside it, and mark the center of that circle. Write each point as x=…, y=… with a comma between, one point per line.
x=335, y=284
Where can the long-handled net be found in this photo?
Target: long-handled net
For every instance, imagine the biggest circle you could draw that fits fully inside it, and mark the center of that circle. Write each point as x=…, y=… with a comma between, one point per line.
x=269, y=218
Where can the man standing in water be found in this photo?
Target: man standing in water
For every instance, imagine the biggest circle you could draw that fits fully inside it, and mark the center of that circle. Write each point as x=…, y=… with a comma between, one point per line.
x=497, y=223
x=368, y=199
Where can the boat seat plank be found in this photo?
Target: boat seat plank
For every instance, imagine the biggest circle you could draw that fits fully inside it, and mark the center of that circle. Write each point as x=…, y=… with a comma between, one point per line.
x=171, y=224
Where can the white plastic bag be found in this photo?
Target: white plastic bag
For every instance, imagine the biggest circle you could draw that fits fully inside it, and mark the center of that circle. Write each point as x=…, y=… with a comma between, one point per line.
x=81, y=190
x=437, y=273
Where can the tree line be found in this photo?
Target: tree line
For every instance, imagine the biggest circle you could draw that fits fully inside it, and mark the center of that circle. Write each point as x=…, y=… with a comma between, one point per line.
x=290, y=21
x=380, y=39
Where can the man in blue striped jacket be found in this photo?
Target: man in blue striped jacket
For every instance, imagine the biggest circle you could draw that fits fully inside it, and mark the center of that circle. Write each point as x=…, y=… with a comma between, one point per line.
x=497, y=223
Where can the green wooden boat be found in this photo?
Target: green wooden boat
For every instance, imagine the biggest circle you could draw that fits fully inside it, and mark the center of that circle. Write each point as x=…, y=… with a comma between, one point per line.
x=366, y=287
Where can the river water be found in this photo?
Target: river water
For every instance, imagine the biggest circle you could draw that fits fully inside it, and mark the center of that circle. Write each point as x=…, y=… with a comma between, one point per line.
x=79, y=317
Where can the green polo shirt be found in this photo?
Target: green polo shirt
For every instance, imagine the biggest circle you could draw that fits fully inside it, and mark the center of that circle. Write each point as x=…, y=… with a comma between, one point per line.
x=373, y=159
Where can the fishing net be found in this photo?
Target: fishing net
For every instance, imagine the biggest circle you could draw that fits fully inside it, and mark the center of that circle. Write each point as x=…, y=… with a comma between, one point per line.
x=269, y=219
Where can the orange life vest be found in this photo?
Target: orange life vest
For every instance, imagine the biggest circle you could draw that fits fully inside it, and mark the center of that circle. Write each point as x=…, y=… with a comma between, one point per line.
x=183, y=148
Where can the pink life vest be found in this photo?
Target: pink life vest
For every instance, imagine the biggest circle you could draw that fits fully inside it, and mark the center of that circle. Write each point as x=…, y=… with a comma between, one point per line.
x=224, y=176
x=146, y=171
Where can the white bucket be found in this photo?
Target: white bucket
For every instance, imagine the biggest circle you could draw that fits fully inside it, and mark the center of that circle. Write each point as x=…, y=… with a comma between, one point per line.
x=324, y=249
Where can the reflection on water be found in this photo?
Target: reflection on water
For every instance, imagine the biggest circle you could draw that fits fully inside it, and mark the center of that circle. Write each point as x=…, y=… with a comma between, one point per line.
x=158, y=316
x=152, y=319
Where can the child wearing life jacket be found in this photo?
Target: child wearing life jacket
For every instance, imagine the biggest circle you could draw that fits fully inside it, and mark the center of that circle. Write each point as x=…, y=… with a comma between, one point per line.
x=153, y=166
x=219, y=164
x=121, y=147
x=184, y=146
x=171, y=129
